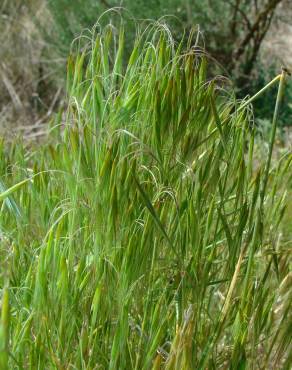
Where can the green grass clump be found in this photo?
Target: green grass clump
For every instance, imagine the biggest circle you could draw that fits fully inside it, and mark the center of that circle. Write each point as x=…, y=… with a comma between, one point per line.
x=144, y=234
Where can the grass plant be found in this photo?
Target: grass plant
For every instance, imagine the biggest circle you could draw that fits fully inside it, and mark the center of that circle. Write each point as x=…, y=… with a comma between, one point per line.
x=144, y=233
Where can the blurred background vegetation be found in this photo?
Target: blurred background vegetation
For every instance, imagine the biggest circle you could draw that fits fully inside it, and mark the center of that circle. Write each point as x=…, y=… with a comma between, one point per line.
x=250, y=39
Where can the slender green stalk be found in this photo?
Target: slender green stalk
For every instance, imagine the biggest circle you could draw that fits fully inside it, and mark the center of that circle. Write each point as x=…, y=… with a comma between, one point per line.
x=261, y=91
x=273, y=133
x=4, y=330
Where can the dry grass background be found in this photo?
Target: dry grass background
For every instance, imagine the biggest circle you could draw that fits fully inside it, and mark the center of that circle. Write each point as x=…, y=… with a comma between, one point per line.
x=28, y=93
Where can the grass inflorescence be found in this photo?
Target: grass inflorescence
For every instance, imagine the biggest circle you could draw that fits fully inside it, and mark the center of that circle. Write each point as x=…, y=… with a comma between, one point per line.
x=144, y=234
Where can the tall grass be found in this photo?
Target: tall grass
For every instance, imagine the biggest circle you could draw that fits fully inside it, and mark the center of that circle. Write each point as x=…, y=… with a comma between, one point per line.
x=144, y=234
